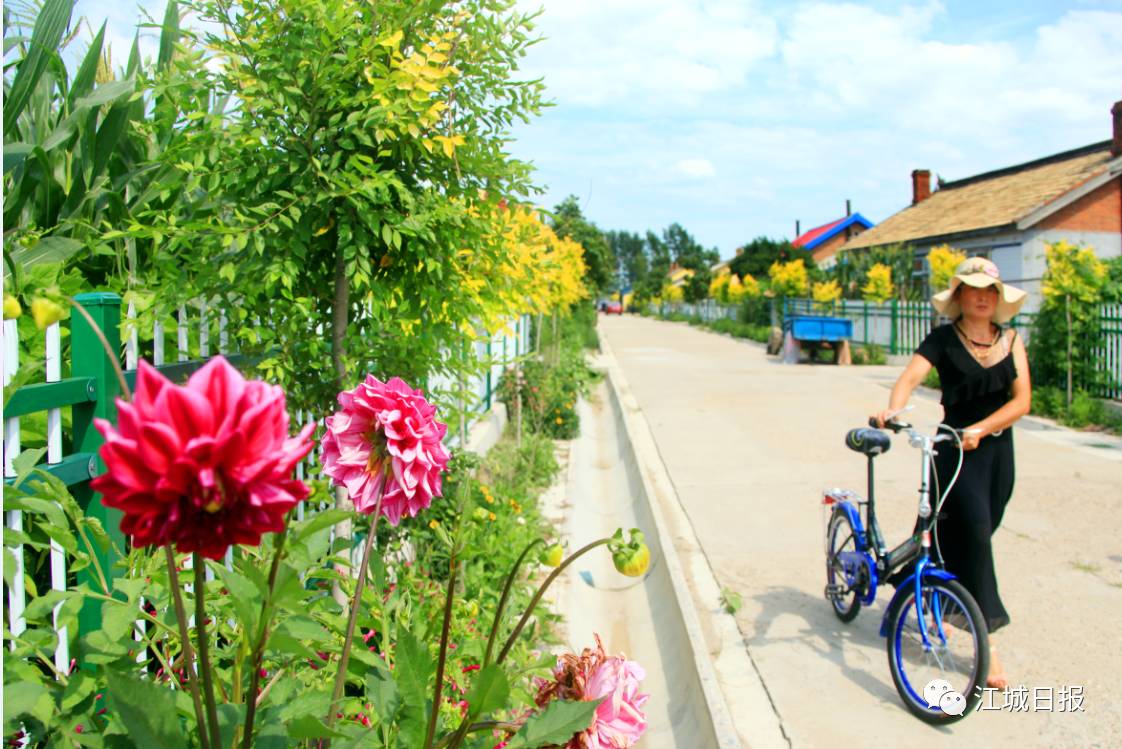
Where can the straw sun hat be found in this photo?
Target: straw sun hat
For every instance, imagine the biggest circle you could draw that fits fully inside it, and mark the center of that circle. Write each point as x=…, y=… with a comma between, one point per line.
x=979, y=273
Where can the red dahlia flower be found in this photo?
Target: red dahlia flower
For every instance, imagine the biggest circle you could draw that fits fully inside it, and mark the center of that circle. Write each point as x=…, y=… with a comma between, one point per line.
x=387, y=441
x=204, y=465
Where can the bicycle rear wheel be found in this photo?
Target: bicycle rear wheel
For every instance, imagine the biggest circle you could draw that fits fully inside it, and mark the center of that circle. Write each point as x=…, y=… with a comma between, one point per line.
x=840, y=537
x=957, y=650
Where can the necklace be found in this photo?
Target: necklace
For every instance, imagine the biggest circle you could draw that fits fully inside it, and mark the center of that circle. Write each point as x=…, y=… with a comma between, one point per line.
x=981, y=344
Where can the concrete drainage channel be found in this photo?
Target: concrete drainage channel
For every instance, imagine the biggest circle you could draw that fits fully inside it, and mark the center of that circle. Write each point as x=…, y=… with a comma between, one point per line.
x=615, y=478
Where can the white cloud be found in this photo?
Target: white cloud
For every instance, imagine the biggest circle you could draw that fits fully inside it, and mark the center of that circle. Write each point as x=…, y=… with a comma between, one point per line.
x=695, y=168
x=656, y=54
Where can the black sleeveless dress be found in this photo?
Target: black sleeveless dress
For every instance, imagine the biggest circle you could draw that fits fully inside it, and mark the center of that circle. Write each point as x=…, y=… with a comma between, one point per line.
x=974, y=508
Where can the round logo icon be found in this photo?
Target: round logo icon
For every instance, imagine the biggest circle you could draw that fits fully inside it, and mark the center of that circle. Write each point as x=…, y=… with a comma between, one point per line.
x=939, y=693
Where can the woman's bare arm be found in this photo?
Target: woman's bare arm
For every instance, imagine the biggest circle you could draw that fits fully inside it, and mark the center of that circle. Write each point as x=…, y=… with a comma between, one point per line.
x=906, y=383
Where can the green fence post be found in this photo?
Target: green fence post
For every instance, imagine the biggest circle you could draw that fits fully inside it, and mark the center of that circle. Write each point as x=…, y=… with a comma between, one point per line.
x=892, y=335
x=89, y=359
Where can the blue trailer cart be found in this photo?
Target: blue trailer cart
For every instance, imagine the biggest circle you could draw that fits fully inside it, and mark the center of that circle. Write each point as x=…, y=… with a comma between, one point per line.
x=813, y=333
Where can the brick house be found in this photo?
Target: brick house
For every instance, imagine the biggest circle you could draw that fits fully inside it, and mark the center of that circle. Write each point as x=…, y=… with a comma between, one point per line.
x=1009, y=215
x=824, y=241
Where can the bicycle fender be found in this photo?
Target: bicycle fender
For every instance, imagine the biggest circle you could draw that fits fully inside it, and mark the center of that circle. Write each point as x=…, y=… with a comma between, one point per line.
x=903, y=590
x=854, y=516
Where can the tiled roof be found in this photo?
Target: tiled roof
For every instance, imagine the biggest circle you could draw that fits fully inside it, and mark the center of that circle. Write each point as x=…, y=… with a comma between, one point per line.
x=991, y=200
x=819, y=234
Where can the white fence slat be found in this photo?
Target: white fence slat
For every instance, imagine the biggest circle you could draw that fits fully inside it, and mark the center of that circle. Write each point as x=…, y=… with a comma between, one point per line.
x=54, y=455
x=17, y=598
x=204, y=331
x=132, y=343
x=223, y=334
x=157, y=343
x=181, y=345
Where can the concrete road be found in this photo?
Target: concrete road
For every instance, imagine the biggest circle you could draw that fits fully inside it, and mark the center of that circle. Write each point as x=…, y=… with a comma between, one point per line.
x=751, y=443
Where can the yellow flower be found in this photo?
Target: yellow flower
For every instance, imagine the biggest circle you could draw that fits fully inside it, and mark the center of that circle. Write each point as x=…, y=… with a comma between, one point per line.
x=552, y=555
x=434, y=524
x=492, y=515
x=560, y=420
x=490, y=499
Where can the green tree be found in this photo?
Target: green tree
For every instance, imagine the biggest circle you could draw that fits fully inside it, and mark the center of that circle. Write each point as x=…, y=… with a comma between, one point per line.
x=1067, y=329
x=358, y=161
x=631, y=252
x=569, y=221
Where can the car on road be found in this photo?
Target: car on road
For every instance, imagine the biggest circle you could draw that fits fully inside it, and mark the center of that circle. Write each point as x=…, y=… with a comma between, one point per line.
x=613, y=308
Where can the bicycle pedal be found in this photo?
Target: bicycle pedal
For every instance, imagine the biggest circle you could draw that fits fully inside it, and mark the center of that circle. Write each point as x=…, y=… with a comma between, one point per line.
x=835, y=592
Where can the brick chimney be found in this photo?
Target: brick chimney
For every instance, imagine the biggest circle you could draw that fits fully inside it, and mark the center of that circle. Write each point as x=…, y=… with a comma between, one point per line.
x=1116, y=140
x=921, y=185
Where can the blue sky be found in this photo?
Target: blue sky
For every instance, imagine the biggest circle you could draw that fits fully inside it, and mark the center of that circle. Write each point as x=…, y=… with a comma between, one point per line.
x=737, y=117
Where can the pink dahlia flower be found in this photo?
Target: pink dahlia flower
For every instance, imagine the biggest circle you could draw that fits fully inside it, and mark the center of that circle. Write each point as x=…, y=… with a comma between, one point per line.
x=619, y=721
x=386, y=442
x=203, y=465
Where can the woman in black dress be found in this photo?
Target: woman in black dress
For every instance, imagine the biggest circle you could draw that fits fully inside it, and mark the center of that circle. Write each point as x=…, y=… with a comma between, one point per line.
x=984, y=375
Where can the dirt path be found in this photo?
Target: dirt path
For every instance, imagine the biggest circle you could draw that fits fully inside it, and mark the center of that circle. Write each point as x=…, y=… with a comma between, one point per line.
x=750, y=444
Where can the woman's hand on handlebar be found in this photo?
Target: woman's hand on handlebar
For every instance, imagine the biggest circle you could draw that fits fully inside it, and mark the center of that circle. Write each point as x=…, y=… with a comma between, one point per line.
x=971, y=436
x=883, y=417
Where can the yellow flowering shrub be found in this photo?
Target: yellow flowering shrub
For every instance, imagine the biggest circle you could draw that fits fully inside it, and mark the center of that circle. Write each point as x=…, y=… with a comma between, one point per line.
x=788, y=279
x=878, y=284
x=942, y=261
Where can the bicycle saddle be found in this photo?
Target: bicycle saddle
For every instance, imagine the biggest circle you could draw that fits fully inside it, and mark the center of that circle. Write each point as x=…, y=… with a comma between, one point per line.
x=867, y=441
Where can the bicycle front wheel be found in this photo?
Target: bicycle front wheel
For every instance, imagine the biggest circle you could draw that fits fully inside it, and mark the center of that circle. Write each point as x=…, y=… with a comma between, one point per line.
x=955, y=656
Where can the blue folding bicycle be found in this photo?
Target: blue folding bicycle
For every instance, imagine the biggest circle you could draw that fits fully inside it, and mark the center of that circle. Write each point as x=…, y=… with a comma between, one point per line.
x=936, y=634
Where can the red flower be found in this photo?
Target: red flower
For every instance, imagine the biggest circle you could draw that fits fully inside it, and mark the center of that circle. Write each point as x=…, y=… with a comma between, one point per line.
x=204, y=465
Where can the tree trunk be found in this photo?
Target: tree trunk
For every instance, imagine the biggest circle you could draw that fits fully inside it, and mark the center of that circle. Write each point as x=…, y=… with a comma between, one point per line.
x=1067, y=312
x=340, y=313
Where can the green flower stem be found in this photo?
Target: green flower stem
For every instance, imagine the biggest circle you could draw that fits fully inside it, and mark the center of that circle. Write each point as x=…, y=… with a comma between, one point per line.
x=463, y=729
x=541, y=591
x=444, y=629
x=449, y=596
x=199, y=565
x=185, y=646
x=502, y=601
x=262, y=638
x=345, y=655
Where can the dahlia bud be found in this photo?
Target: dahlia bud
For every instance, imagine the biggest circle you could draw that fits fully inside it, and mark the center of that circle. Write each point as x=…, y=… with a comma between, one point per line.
x=12, y=309
x=633, y=558
x=551, y=556
x=45, y=312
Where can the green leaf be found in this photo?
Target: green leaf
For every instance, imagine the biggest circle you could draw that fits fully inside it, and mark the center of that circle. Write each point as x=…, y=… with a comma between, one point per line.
x=310, y=727
x=169, y=34
x=319, y=521
x=147, y=710
x=51, y=249
x=490, y=692
x=557, y=724
x=244, y=595
x=14, y=154
x=382, y=693
x=80, y=687
x=412, y=666
x=230, y=718
x=50, y=25
x=87, y=72
x=29, y=698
